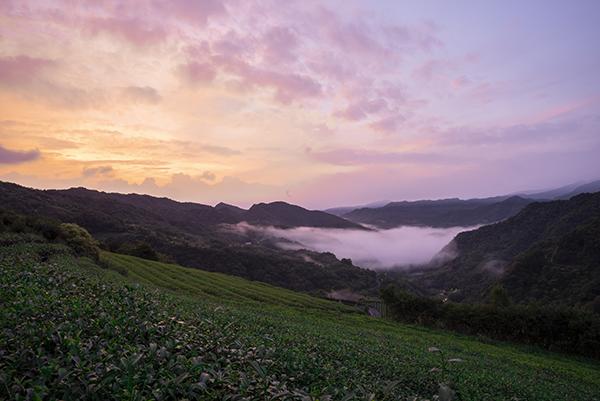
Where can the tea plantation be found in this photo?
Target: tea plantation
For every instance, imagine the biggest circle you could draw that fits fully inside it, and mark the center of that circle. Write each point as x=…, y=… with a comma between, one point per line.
x=125, y=328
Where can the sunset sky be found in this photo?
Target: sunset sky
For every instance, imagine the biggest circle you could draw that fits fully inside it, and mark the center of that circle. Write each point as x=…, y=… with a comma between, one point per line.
x=315, y=103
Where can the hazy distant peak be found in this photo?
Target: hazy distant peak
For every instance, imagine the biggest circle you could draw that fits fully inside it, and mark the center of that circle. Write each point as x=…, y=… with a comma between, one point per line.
x=227, y=206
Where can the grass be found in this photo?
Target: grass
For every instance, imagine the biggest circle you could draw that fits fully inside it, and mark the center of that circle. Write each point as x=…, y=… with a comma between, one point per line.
x=70, y=330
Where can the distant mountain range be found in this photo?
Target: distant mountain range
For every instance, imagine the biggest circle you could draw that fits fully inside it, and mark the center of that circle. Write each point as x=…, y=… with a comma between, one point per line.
x=201, y=236
x=549, y=253
x=455, y=212
x=439, y=213
x=108, y=207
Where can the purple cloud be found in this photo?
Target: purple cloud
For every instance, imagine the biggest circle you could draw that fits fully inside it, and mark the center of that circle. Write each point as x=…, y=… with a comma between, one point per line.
x=8, y=156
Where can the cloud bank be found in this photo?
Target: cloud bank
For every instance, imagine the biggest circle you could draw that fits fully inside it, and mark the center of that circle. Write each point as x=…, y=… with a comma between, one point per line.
x=384, y=249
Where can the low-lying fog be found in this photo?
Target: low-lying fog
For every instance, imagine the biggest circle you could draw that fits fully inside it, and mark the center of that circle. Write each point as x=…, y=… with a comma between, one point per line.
x=382, y=249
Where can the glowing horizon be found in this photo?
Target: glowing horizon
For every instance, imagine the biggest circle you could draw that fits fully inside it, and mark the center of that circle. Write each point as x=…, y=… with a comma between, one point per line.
x=315, y=103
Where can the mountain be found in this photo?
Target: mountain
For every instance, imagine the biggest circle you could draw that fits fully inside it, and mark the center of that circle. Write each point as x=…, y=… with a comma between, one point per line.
x=230, y=209
x=440, y=213
x=283, y=214
x=593, y=186
x=340, y=211
x=66, y=204
x=554, y=193
x=454, y=211
x=198, y=235
x=549, y=252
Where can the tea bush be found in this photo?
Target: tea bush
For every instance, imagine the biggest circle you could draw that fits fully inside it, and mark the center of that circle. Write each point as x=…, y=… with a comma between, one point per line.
x=71, y=330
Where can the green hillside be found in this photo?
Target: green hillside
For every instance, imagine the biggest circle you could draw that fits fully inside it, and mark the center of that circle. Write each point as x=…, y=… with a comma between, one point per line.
x=211, y=287
x=70, y=329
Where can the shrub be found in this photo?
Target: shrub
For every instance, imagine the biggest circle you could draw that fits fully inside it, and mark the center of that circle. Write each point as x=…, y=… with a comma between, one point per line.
x=140, y=249
x=557, y=329
x=81, y=241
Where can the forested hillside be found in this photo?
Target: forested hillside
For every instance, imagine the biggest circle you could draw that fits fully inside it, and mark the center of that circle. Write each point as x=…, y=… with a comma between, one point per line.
x=548, y=253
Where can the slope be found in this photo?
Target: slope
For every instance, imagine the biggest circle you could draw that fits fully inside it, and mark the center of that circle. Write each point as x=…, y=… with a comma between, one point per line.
x=71, y=330
x=213, y=287
x=549, y=252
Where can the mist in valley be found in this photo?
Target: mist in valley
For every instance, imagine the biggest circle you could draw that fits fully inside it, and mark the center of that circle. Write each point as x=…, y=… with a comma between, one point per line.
x=399, y=247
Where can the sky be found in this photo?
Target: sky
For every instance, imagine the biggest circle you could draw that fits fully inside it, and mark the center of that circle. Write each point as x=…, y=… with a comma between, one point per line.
x=320, y=104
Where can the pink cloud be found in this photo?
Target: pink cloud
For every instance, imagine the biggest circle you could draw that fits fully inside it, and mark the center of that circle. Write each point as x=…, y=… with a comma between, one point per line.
x=389, y=124
x=460, y=82
x=193, y=11
x=393, y=92
x=136, y=31
x=197, y=72
x=355, y=38
x=288, y=87
x=232, y=45
x=564, y=109
x=26, y=76
x=321, y=130
x=279, y=44
x=362, y=108
x=22, y=69
x=141, y=94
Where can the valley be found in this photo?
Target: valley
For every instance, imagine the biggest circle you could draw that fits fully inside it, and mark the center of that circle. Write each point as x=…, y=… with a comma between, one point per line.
x=264, y=309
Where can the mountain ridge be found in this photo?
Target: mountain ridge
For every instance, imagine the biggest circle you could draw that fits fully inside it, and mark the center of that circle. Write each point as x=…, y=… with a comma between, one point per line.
x=278, y=213
x=548, y=252
x=194, y=235
x=449, y=212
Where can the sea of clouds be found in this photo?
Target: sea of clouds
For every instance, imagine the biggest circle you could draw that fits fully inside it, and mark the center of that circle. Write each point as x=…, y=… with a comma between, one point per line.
x=378, y=249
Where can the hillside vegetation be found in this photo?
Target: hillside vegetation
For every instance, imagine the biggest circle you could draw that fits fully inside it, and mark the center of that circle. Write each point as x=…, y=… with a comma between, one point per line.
x=141, y=330
x=548, y=253
x=211, y=287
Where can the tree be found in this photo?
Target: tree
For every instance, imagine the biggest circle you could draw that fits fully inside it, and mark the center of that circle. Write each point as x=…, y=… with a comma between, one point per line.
x=499, y=297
